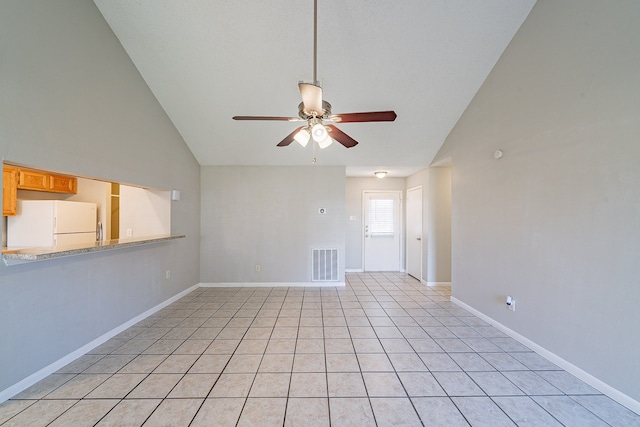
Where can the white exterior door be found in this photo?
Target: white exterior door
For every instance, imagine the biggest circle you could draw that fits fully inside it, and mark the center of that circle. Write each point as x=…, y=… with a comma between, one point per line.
x=381, y=231
x=414, y=232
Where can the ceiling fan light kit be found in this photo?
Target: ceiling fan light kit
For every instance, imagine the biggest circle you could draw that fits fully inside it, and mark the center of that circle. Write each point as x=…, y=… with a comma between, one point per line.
x=319, y=132
x=325, y=142
x=302, y=137
x=315, y=110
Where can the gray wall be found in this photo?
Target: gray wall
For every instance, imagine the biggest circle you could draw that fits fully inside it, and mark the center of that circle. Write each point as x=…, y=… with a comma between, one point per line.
x=555, y=222
x=72, y=101
x=354, y=229
x=438, y=219
x=268, y=215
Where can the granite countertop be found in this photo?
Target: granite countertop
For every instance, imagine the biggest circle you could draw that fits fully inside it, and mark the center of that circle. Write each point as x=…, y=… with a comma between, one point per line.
x=13, y=256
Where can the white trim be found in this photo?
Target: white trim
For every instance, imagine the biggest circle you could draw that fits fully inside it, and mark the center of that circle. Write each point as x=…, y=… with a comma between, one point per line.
x=353, y=270
x=594, y=382
x=60, y=363
x=437, y=283
x=269, y=284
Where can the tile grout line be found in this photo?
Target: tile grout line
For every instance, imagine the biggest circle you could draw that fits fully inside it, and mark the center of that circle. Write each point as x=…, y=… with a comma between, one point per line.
x=396, y=298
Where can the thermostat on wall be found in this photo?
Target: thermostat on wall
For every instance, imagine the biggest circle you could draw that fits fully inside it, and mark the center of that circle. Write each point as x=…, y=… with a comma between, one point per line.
x=322, y=211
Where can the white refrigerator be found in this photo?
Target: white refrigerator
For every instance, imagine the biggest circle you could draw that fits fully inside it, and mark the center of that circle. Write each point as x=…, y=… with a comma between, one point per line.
x=47, y=223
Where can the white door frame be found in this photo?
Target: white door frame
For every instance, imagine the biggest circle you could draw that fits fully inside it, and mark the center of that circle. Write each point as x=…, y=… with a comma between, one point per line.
x=400, y=225
x=408, y=230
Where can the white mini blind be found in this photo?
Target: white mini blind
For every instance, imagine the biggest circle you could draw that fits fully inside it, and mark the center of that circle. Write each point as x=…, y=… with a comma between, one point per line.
x=381, y=217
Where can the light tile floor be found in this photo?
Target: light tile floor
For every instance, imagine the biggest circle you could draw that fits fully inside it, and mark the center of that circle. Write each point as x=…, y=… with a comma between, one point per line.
x=384, y=350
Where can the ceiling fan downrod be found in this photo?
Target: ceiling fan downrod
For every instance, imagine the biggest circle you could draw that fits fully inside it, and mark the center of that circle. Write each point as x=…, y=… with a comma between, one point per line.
x=315, y=42
x=314, y=110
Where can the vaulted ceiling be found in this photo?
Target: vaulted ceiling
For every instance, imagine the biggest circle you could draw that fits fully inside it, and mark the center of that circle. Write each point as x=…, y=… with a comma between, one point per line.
x=209, y=60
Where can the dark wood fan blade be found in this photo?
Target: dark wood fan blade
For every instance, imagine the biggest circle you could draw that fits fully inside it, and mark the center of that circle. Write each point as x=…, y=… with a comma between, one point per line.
x=289, y=138
x=287, y=119
x=341, y=137
x=373, y=116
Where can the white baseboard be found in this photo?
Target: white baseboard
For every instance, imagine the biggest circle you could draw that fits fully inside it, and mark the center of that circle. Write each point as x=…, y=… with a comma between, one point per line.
x=60, y=363
x=269, y=284
x=353, y=270
x=437, y=283
x=594, y=382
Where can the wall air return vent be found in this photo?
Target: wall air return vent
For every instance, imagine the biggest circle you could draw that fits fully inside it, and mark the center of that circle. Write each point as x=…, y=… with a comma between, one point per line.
x=324, y=265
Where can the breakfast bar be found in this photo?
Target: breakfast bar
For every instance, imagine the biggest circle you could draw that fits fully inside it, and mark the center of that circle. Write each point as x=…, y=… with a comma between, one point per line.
x=32, y=254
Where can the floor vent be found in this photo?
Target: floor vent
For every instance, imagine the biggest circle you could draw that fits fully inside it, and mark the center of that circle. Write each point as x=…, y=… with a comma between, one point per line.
x=324, y=265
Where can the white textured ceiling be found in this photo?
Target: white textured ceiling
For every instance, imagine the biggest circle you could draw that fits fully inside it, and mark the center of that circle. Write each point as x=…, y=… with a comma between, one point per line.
x=208, y=60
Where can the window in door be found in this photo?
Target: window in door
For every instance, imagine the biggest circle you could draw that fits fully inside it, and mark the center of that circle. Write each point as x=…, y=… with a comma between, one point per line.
x=381, y=220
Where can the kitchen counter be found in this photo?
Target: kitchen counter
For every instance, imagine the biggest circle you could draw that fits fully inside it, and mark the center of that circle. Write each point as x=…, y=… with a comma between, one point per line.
x=22, y=255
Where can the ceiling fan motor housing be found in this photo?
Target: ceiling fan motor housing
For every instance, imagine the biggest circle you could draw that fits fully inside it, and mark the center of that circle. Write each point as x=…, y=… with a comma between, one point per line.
x=326, y=111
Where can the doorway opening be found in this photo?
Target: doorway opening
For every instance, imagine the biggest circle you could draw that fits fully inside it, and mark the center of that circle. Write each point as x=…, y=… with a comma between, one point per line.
x=414, y=232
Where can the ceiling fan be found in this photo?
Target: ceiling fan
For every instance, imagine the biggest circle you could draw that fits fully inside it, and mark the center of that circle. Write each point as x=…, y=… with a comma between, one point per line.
x=315, y=111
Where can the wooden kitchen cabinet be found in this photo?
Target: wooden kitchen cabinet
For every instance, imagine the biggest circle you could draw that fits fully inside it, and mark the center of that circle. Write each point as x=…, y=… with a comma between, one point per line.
x=33, y=180
x=63, y=184
x=29, y=179
x=16, y=178
x=9, y=190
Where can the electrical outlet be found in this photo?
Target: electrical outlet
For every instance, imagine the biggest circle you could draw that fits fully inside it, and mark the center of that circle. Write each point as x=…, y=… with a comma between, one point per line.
x=257, y=267
x=129, y=232
x=167, y=274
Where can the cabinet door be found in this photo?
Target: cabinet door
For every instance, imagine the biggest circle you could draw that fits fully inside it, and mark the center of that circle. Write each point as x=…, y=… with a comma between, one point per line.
x=9, y=191
x=33, y=180
x=63, y=184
